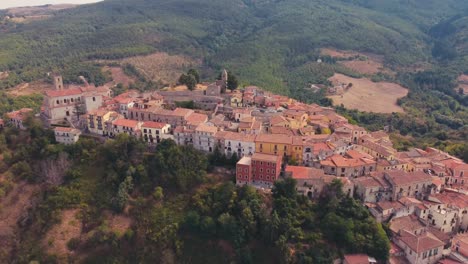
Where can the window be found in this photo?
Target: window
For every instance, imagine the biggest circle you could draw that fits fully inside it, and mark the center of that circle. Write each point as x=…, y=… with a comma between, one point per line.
x=94, y=99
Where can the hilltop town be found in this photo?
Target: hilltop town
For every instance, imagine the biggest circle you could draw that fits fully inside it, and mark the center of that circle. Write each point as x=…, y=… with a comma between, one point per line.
x=421, y=193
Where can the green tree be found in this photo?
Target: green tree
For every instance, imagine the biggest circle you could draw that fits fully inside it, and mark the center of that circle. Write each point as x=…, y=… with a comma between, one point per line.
x=195, y=74
x=232, y=82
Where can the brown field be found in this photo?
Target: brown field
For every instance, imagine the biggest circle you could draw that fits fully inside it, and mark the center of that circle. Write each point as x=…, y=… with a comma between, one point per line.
x=371, y=65
x=338, y=53
x=368, y=96
x=463, y=83
x=12, y=209
x=364, y=67
x=118, y=75
x=36, y=87
x=162, y=66
x=464, y=87
x=57, y=238
x=3, y=75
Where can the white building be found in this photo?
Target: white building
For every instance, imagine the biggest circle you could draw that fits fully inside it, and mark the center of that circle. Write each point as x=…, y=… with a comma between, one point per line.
x=241, y=144
x=204, y=137
x=127, y=126
x=154, y=132
x=67, y=135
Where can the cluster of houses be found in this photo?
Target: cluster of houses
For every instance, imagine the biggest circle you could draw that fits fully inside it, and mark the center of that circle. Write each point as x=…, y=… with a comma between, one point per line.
x=421, y=193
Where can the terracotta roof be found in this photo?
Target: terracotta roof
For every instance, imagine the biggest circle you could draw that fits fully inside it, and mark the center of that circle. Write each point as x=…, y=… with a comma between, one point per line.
x=266, y=157
x=420, y=243
x=240, y=137
x=278, y=139
x=99, y=112
x=321, y=146
x=277, y=119
x=151, y=124
x=367, y=182
x=385, y=205
x=281, y=130
x=196, y=118
x=206, y=128
x=19, y=114
x=358, y=259
x=298, y=172
x=245, y=161
x=458, y=200
x=399, y=177
x=67, y=129
x=409, y=223
x=182, y=112
x=339, y=161
x=65, y=92
x=125, y=123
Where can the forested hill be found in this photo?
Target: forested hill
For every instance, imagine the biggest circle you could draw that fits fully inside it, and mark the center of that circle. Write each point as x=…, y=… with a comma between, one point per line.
x=258, y=39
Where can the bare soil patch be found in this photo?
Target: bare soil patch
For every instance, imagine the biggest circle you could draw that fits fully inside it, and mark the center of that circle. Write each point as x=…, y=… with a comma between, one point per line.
x=463, y=83
x=13, y=208
x=363, y=63
x=118, y=222
x=37, y=87
x=3, y=75
x=57, y=238
x=365, y=95
x=364, y=66
x=118, y=75
x=161, y=66
x=338, y=53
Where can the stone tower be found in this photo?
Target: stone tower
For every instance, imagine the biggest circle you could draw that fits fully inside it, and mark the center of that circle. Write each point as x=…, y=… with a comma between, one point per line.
x=58, y=82
x=224, y=81
x=224, y=76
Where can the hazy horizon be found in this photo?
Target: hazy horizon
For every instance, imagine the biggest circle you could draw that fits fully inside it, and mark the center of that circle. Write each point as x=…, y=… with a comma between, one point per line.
x=19, y=3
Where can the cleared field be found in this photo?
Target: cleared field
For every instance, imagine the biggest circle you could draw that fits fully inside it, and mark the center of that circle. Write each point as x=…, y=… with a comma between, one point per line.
x=162, y=66
x=57, y=238
x=118, y=75
x=364, y=66
x=37, y=87
x=3, y=75
x=363, y=63
x=365, y=95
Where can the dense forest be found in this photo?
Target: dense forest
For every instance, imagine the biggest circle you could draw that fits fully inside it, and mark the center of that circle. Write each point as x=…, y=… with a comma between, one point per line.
x=180, y=210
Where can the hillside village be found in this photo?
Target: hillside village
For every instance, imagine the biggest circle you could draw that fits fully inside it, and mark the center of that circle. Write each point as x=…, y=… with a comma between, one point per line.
x=420, y=193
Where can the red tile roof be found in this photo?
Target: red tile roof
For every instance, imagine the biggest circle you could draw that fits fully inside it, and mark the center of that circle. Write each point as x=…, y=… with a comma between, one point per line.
x=126, y=123
x=420, y=243
x=65, y=92
x=357, y=259
x=266, y=157
x=298, y=172
x=66, y=129
x=278, y=139
x=151, y=124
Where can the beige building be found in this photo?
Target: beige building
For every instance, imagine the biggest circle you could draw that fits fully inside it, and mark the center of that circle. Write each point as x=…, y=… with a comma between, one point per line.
x=204, y=138
x=126, y=126
x=154, y=132
x=66, y=135
x=99, y=122
x=405, y=184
